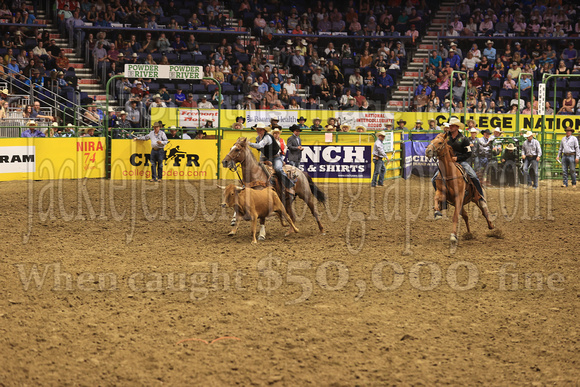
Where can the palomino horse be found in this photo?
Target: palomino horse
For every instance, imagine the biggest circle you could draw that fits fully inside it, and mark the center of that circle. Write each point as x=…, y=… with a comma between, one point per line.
x=452, y=186
x=254, y=175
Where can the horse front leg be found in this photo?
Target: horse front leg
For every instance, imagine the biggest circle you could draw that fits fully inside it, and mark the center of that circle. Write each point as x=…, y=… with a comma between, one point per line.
x=234, y=220
x=439, y=197
x=254, y=228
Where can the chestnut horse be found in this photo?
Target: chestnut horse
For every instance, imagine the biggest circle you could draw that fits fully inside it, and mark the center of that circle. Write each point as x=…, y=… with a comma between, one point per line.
x=453, y=185
x=254, y=175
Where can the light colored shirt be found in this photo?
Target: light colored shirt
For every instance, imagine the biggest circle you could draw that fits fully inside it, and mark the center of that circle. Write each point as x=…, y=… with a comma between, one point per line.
x=569, y=144
x=379, y=150
x=205, y=105
x=160, y=136
x=531, y=148
x=30, y=133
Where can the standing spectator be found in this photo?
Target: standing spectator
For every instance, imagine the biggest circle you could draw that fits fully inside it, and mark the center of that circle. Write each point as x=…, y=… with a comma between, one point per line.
x=384, y=80
x=158, y=141
x=379, y=158
x=570, y=154
x=295, y=147
x=531, y=153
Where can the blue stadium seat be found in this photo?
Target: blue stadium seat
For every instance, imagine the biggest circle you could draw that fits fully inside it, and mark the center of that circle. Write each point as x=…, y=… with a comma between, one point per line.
x=506, y=93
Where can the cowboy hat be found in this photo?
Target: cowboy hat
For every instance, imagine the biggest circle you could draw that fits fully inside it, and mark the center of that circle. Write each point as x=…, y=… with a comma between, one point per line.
x=473, y=130
x=172, y=127
x=432, y=119
x=401, y=120
x=304, y=42
x=31, y=123
x=274, y=119
x=329, y=128
x=529, y=133
x=389, y=123
x=5, y=91
x=277, y=130
x=510, y=146
x=382, y=133
x=470, y=120
x=455, y=121
x=122, y=112
x=243, y=118
x=301, y=118
x=294, y=128
x=419, y=122
x=360, y=127
x=289, y=41
x=489, y=42
x=497, y=129
x=261, y=125
x=316, y=119
x=485, y=131
x=345, y=126
x=569, y=129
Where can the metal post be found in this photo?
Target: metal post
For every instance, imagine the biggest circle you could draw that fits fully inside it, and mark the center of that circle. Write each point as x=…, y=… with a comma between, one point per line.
x=106, y=129
x=219, y=122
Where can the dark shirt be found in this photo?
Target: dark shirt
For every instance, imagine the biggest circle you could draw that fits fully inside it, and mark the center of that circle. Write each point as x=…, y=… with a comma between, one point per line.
x=460, y=146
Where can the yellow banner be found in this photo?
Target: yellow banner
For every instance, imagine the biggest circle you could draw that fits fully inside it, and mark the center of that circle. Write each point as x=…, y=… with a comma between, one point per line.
x=52, y=158
x=184, y=160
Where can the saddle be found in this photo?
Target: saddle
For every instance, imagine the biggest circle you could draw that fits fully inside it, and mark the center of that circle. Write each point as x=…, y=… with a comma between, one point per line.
x=290, y=170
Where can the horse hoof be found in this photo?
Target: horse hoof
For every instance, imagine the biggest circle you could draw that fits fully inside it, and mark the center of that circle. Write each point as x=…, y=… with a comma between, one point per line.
x=453, y=238
x=261, y=238
x=231, y=233
x=233, y=223
x=438, y=215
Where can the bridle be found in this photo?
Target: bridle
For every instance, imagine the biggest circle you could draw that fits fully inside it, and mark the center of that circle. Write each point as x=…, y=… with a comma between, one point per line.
x=235, y=168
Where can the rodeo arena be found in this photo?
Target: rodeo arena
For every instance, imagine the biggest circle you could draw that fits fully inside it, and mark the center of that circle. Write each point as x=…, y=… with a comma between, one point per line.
x=254, y=192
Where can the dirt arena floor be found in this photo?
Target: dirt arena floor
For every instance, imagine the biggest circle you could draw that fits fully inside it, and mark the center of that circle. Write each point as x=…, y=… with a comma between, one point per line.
x=120, y=283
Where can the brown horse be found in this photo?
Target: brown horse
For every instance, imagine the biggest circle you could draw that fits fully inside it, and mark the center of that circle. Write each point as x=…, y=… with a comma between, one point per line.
x=453, y=185
x=254, y=176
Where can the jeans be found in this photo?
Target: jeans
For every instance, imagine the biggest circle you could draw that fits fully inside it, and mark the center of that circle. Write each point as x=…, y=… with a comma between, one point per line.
x=568, y=162
x=470, y=172
x=278, y=166
x=156, y=159
x=379, y=173
x=294, y=163
x=533, y=163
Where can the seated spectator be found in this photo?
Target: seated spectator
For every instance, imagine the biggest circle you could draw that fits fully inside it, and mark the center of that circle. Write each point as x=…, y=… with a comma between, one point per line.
x=290, y=87
x=514, y=71
x=204, y=104
x=453, y=60
x=509, y=83
x=486, y=27
x=470, y=61
x=568, y=104
x=189, y=102
x=423, y=86
x=435, y=60
x=420, y=101
x=384, y=80
x=32, y=130
x=569, y=53
x=489, y=52
x=477, y=82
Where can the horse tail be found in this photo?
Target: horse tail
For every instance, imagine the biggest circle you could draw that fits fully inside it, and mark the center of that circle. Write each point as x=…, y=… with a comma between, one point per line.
x=320, y=196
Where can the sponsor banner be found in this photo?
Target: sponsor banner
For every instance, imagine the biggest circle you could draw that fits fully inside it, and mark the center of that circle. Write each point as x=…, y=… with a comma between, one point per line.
x=507, y=122
x=337, y=161
x=407, y=162
x=52, y=158
x=17, y=159
x=389, y=142
x=287, y=117
x=163, y=71
x=370, y=120
x=415, y=161
x=184, y=160
x=196, y=118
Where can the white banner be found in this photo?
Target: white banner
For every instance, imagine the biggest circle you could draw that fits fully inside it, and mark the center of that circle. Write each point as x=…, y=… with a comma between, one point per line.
x=163, y=71
x=542, y=99
x=370, y=120
x=389, y=143
x=15, y=159
x=197, y=118
x=287, y=117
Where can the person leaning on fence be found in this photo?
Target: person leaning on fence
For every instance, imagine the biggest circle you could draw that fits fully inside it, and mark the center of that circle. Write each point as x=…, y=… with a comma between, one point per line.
x=473, y=143
x=158, y=141
x=484, y=153
x=270, y=151
x=32, y=131
x=462, y=151
x=379, y=157
x=531, y=153
x=570, y=154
